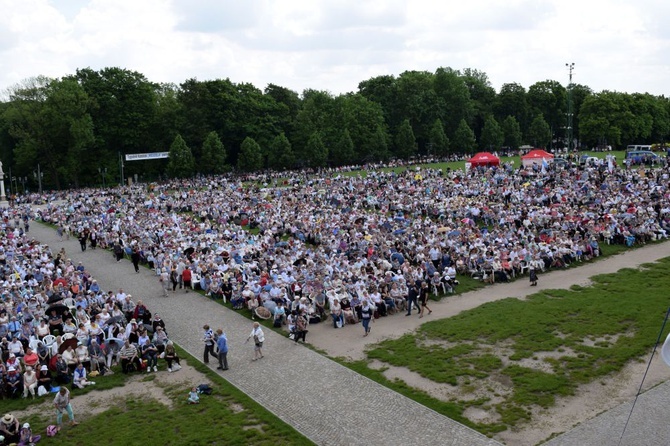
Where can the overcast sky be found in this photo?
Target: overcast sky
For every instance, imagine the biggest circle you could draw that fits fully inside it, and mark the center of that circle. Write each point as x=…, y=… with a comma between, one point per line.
x=621, y=45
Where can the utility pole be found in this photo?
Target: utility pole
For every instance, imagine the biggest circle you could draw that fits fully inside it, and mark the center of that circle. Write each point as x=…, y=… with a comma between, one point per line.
x=38, y=175
x=570, y=66
x=121, y=165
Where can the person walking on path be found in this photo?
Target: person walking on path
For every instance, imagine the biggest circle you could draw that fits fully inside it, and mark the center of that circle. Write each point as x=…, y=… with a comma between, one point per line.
x=259, y=338
x=423, y=298
x=208, y=339
x=62, y=403
x=300, y=329
x=533, y=277
x=165, y=281
x=222, y=345
x=412, y=296
x=366, y=315
x=135, y=258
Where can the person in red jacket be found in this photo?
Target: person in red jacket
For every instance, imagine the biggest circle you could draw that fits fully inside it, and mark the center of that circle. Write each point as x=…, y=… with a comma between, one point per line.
x=186, y=276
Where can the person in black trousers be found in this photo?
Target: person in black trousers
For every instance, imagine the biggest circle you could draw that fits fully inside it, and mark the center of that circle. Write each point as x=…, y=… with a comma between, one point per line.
x=208, y=338
x=412, y=296
x=135, y=258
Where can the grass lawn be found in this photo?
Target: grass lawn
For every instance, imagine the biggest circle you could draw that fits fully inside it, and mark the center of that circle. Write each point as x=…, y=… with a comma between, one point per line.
x=541, y=348
x=227, y=416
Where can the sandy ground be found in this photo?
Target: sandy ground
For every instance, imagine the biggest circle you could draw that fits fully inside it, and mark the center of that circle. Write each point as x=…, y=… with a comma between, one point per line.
x=589, y=401
x=95, y=402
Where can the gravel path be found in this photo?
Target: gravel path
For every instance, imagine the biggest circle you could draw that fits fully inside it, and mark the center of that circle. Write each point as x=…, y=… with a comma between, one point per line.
x=328, y=403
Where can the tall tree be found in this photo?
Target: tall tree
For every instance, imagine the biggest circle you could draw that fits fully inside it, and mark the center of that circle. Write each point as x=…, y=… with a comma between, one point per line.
x=343, y=151
x=482, y=97
x=281, y=155
x=511, y=101
x=512, y=132
x=316, y=153
x=550, y=99
x=405, y=142
x=464, y=139
x=539, y=132
x=493, y=136
x=181, y=163
x=454, y=98
x=439, y=143
x=251, y=157
x=213, y=159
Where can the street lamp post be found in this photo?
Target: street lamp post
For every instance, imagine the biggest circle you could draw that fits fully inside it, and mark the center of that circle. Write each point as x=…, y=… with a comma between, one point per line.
x=570, y=66
x=38, y=176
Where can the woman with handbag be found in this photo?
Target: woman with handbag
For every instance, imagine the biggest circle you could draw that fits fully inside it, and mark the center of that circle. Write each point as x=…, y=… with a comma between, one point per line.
x=259, y=338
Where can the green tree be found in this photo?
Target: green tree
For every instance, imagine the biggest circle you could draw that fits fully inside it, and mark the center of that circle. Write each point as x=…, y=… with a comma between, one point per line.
x=281, y=156
x=550, y=99
x=123, y=110
x=213, y=158
x=363, y=119
x=454, y=96
x=539, y=132
x=482, y=97
x=492, y=137
x=405, y=142
x=316, y=153
x=512, y=132
x=343, y=150
x=439, y=143
x=464, y=139
x=511, y=101
x=379, y=147
x=50, y=121
x=251, y=157
x=181, y=163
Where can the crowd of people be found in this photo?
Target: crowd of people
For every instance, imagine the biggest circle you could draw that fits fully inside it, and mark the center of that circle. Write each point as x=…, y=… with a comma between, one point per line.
x=306, y=248
x=305, y=244
x=58, y=328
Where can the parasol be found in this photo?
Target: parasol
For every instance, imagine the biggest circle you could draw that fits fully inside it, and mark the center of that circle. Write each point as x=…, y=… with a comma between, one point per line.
x=66, y=343
x=58, y=308
x=263, y=313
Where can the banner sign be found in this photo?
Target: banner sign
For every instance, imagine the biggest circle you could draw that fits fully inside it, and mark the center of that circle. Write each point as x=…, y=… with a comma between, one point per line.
x=146, y=156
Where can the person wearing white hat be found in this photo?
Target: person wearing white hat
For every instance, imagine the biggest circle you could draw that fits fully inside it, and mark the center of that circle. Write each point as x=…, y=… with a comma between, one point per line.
x=26, y=435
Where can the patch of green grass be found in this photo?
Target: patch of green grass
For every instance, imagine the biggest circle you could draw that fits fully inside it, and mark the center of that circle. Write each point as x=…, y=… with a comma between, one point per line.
x=228, y=416
x=573, y=336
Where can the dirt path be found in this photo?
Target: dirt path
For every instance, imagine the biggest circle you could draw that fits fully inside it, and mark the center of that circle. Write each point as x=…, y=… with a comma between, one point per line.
x=589, y=401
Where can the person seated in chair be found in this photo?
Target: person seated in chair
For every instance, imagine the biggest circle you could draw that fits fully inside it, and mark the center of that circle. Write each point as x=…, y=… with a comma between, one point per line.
x=150, y=354
x=14, y=382
x=96, y=357
x=130, y=360
x=44, y=378
x=279, y=316
x=62, y=370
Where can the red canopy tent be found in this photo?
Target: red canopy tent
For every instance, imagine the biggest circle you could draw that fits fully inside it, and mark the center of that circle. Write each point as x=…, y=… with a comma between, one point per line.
x=536, y=156
x=485, y=159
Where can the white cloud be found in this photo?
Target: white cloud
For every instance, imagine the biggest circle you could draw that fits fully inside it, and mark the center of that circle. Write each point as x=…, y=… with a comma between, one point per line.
x=333, y=45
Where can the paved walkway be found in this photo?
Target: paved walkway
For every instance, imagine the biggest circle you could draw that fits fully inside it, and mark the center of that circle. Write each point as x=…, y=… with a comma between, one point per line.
x=326, y=402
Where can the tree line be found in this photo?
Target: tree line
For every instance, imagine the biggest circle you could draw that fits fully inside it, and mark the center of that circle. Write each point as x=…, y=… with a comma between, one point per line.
x=78, y=128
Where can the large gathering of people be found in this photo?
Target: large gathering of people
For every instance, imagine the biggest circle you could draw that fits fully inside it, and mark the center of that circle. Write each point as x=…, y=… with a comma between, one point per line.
x=307, y=247
x=57, y=326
